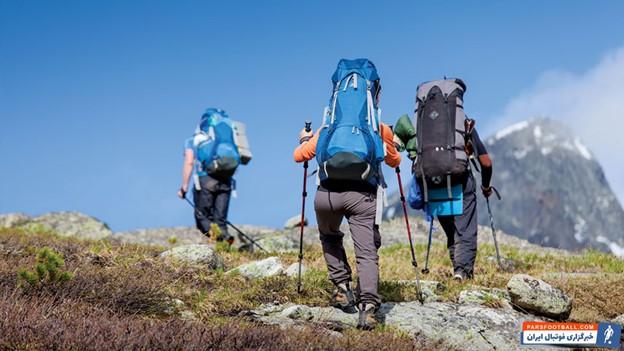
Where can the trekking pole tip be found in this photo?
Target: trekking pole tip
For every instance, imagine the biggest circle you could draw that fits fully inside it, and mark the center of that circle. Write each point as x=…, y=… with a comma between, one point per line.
x=425, y=271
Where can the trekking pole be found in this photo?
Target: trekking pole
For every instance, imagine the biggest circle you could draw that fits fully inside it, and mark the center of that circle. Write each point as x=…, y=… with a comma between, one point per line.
x=487, y=200
x=409, y=236
x=426, y=269
x=304, y=193
x=228, y=223
x=245, y=235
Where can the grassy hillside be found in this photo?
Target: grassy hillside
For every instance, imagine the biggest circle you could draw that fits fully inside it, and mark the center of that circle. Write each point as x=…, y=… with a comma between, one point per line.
x=123, y=296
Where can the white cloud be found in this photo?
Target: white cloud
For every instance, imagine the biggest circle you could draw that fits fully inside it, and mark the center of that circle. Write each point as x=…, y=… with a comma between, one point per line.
x=591, y=103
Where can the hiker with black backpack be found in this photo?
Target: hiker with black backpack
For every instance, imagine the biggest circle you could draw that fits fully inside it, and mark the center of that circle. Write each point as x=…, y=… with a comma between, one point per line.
x=350, y=146
x=446, y=148
x=211, y=157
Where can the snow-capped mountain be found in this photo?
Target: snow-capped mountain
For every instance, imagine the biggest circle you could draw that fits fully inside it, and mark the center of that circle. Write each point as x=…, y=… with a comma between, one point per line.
x=554, y=191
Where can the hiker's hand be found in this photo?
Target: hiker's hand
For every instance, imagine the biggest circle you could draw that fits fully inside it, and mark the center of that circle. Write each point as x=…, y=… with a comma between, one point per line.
x=182, y=192
x=486, y=191
x=305, y=136
x=398, y=143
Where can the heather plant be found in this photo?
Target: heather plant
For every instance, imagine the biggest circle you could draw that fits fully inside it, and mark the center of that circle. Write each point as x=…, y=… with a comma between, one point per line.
x=47, y=269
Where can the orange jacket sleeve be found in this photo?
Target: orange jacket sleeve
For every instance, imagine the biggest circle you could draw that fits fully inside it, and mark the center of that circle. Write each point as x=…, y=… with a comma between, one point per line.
x=307, y=150
x=393, y=158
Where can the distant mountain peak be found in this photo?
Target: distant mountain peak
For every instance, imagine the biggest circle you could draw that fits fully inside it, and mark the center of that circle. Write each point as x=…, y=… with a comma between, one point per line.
x=542, y=134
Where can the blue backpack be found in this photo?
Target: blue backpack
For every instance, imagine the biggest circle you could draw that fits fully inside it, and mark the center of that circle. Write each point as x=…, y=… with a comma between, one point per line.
x=350, y=146
x=217, y=152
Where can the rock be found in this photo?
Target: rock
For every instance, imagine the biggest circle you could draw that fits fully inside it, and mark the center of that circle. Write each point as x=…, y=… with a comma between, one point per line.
x=173, y=306
x=465, y=327
x=162, y=236
x=268, y=267
x=293, y=270
x=74, y=224
x=619, y=319
x=299, y=312
x=295, y=222
x=187, y=315
x=194, y=254
x=430, y=289
x=279, y=243
x=508, y=265
x=495, y=298
x=537, y=296
x=12, y=220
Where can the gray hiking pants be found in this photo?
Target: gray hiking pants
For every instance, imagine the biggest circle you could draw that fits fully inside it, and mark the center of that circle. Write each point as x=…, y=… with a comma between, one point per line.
x=461, y=232
x=359, y=208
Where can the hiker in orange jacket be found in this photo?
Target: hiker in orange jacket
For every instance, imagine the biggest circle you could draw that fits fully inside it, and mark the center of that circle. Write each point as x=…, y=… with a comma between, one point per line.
x=357, y=201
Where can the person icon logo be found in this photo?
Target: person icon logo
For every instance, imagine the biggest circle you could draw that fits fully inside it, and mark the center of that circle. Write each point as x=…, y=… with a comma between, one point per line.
x=608, y=334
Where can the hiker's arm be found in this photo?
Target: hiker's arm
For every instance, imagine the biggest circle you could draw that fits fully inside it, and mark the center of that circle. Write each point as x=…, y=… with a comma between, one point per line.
x=307, y=150
x=393, y=157
x=485, y=161
x=187, y=170
x=486, y=171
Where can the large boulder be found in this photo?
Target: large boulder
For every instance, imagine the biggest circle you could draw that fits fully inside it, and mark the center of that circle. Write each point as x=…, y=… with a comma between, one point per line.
x=196, y=254
x=268, y=267
x=72, y=224
x=539, y=297
x=12, y=220
x=453, y=326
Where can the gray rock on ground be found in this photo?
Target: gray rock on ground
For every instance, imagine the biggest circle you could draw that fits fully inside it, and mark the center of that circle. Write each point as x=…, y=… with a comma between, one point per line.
x=465, y=327
x=268, y=267
x=293, y=270
x=12, y=220
x=431, y=289
x=196, y=254
x=74, y=224
x=167, y=237
x=279, y=243
x=295, y=222
x=619, y=319
x=539, y=297
x=496, y=298
x=71, y=224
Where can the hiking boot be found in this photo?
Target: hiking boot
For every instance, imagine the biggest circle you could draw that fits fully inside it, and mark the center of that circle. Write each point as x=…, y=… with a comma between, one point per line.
x=343, y=298
x=461, y=276
x=367, y=319
x=230, y=240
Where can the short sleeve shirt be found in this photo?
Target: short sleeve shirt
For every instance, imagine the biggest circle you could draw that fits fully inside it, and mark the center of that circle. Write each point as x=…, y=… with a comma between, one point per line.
x=478, y=145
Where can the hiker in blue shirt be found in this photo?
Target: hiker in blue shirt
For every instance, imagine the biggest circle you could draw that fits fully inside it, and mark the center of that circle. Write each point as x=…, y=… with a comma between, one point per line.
x=211, y=158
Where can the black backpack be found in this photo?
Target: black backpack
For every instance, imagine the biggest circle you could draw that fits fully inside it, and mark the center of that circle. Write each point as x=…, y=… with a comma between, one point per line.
x=440, y=132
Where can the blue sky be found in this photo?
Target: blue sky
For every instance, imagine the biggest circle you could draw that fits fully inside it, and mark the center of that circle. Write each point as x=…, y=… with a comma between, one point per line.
x=96, y=97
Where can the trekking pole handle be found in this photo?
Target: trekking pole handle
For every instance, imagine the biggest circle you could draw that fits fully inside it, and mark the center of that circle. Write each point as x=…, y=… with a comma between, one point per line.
x=308, y=126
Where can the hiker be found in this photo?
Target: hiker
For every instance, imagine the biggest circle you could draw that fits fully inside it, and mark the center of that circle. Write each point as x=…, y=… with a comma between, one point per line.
x=211, y=157
x=445, y=148
x=349, y=148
